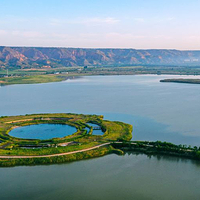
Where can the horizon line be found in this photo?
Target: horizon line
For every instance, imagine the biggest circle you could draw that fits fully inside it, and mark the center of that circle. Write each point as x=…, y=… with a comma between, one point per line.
x=128, y=48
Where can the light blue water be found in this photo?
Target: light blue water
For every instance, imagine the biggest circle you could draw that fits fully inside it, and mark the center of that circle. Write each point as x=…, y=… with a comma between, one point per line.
x=157, y=111
x=42, y=131
x=97, y=131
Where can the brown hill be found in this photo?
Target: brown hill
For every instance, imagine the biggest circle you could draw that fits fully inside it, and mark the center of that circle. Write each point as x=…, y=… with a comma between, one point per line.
x=28, y=57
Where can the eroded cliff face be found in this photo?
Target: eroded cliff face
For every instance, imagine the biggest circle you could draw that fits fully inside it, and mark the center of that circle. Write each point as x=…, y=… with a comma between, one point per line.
x=28, y=57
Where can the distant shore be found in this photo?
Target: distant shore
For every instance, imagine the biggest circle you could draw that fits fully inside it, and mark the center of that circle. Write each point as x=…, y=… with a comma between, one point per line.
x=190, y=81
x=33, y=76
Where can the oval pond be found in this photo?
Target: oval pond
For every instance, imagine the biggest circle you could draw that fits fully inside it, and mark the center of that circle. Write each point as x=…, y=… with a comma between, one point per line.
x=42, y=131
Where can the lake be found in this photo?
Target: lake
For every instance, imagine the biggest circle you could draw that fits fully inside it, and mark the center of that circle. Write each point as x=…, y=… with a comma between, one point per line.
x=158, y=111
x=42, y=131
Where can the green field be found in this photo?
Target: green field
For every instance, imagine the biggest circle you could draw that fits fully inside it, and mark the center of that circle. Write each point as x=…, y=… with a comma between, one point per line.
x=31, y=79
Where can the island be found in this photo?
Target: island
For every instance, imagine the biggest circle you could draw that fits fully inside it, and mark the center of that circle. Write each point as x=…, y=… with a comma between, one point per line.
x=181, y=80
x=82, y=144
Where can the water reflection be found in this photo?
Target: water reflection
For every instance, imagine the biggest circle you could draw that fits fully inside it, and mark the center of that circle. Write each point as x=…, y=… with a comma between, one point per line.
x=112, y=177
x=165, y=158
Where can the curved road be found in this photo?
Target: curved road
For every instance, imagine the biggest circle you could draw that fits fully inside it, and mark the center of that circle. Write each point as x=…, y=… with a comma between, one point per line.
x=59, y=154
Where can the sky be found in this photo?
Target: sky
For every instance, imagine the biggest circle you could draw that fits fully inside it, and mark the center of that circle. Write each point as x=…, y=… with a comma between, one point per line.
x=137, y=24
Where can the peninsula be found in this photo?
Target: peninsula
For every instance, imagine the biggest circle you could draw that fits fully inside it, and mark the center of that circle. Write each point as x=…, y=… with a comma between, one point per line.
x=82, y=144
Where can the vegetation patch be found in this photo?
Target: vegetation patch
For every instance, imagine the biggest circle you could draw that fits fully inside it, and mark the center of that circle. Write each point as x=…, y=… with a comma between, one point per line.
x=181, y=80
x=159, y=148
x=31, y=79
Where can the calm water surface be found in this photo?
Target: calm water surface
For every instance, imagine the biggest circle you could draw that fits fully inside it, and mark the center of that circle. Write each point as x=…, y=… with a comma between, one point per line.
x=157, y=111
x=42, y=131
x=108, y=178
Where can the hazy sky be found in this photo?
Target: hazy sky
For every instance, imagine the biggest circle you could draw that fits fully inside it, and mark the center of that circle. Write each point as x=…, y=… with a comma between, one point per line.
x=140, y=24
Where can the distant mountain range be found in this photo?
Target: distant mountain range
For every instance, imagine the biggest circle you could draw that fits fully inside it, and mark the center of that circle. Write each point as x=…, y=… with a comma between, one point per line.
x=47, y=57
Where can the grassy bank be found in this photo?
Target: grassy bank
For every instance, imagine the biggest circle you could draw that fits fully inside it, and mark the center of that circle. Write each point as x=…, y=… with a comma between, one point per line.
x=60, y=159
x=31, y=79
x=190, y=81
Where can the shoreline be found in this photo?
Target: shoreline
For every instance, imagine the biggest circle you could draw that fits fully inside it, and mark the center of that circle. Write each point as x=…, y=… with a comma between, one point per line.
x=56, y=155
x=159, y=148
x=181, y=80
x=119, y=148
x=27, y=77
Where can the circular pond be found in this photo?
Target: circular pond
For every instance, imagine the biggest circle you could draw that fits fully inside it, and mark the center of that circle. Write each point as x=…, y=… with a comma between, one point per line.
x=42, y=131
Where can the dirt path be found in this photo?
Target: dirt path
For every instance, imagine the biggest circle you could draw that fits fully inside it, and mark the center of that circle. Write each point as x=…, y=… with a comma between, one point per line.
x=59, y=154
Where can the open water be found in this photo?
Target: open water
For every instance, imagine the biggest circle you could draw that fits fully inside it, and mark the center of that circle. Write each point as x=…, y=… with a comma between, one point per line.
x=158, y=111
